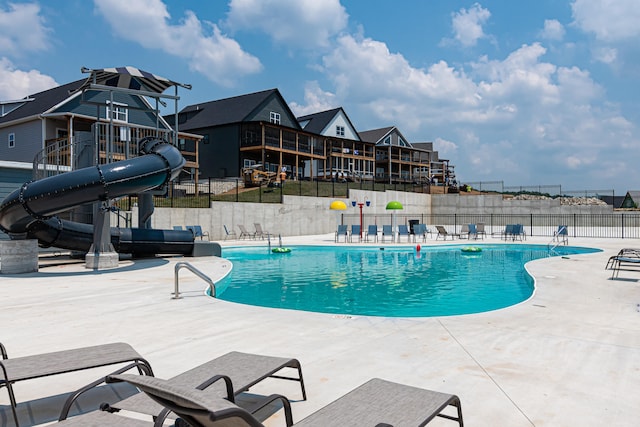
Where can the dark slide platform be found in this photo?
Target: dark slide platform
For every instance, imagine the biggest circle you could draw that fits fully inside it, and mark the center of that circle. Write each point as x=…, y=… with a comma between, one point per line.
x=29, y=212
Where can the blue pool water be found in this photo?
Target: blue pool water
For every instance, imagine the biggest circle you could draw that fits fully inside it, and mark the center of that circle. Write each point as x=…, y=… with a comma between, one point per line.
x=394, y=282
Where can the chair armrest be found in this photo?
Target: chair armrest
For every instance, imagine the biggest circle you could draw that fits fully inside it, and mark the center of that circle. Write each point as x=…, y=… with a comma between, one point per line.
x=142, y=367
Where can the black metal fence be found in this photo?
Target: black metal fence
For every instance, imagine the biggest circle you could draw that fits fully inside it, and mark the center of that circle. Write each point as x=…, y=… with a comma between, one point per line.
x=191, y=195
x=614, y=226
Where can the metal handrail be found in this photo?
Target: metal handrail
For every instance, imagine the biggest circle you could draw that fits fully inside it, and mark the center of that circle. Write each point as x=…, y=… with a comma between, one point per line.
x=200, y=274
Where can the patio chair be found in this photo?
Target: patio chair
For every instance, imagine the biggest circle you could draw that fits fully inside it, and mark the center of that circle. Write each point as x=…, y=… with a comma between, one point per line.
x=197, y=231
x=229, y=234
x=238, y=372
x=480, y=230
x=355, y=231
x=177, y=227
x=464, y=231
x=376, y=403
x=561, y=235
x=473, y=232
x=372, y=230
x=403, y=230
x=509, y=232
x=624, y=252
x=342, y=231
x=387, y=230
x=245, y=233
x=518, y=232
x=260, y=232
x=24, y=368
x=444, y=233
x=420, y=231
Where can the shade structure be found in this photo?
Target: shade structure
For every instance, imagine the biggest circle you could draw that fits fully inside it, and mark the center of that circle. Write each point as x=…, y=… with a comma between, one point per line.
x=338, y=205
x=129, y=78
x=394, y=206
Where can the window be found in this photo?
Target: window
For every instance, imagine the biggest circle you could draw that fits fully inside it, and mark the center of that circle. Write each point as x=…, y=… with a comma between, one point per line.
x=401, y=142
x=339, y=130
x=205, y=139
x=274, y=117
x=120, y=112
x=387, y=140
x=12, y=140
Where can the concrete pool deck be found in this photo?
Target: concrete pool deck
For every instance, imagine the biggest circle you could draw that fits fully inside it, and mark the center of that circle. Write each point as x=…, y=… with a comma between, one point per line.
x=568, y=356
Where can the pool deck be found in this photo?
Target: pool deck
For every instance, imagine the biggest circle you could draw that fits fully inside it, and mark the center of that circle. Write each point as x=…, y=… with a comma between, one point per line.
x=568, y=356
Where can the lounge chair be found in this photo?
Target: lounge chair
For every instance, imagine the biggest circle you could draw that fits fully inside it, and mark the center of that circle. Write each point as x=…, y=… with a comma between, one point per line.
x=464, y=231
x=342, y=232
x=372, y=230
x=403, y=230
x=509, y=232
x=178, y=227
x=238, y=372
x=23, y=368
x=420, y=231
x=518, y=232
x=355, y=231
x=229, y=234
x=376, y=403
x=480, y=230
x=387, y=231
x=444, y=233
x=561, y=235
x=473, y=232
x=197, y=231
x=245, y=233
x=624, y=252
x=260, y=232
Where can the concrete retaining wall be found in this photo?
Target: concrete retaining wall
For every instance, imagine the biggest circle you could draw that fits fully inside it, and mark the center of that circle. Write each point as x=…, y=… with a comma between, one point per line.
x=311, y=215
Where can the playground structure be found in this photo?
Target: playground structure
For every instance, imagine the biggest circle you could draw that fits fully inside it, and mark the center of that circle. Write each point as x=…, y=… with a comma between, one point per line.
x=31, y=212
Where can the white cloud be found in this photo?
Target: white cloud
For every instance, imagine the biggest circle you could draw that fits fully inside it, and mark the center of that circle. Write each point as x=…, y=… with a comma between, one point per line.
x=22, y=29
x=606, y=55
x=208, y=51
x=467, y=24
x=16, y=84
x=519, y=116
x=298, y=23
x=608, y=20
x=553, y=30
x=315, y=99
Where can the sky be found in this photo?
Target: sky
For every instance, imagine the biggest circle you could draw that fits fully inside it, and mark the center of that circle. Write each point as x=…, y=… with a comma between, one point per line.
x=524, y=92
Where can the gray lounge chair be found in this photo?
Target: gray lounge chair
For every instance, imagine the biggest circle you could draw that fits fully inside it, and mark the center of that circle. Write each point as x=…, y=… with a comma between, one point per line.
x=375, y=403
x=24, y=368
x=245, y=233
x=444, y=233
x=260, y=232
x=233, y=372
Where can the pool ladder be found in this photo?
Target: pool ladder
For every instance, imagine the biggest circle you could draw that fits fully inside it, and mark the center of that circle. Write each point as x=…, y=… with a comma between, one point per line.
x=200, y=274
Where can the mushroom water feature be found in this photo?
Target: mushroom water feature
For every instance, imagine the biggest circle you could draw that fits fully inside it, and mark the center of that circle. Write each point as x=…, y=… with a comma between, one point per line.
x=393, y=206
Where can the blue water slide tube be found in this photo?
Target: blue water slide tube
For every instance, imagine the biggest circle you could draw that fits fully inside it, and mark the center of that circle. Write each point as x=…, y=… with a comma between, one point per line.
x=30, y=211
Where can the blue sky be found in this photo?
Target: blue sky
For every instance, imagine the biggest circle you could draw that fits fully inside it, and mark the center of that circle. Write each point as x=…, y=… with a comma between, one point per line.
x=527, y=92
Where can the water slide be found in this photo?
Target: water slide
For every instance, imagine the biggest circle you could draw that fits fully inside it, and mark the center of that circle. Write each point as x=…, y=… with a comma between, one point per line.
x=30, y=211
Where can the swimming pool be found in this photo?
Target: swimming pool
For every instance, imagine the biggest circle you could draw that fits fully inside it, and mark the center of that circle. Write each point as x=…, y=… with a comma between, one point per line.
x=389, y=281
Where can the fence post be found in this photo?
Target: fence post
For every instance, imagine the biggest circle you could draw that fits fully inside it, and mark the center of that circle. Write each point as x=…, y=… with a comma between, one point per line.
x=531, y=224
x=237, y=190
x=622, y=224
x=209, y=193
